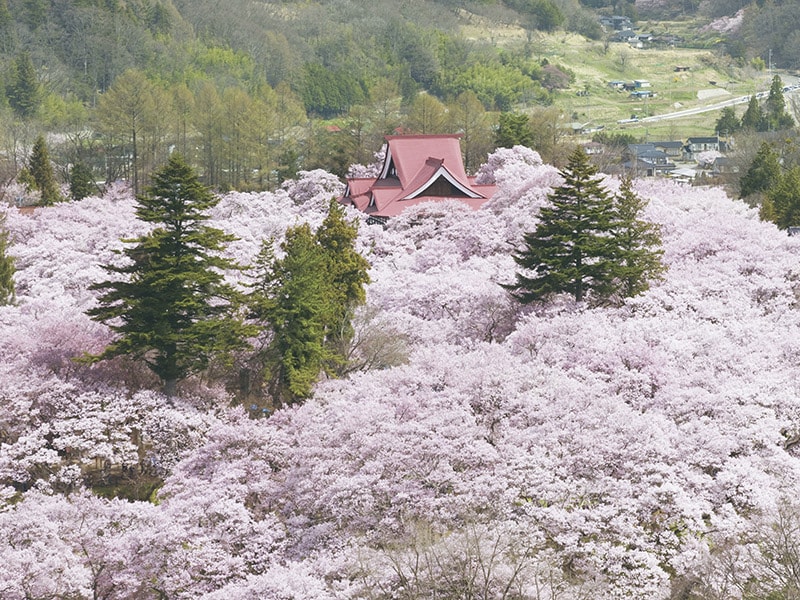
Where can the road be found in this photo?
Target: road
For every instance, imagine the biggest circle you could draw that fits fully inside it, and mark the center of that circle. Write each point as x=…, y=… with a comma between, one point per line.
x=793, y=85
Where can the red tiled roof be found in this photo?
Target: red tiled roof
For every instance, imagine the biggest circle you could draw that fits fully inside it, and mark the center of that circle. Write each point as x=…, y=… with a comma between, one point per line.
x=412, y=165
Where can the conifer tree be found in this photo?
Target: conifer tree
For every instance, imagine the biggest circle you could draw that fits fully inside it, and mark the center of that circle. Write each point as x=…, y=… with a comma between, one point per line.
x=307, y=299
x=22, y=87
x=41, y=171
x=571, y=250
x=81, y=182
x=638, y=244
x=753, y=118
x=782, y=202
x=297, y=317
x=7, y=269
x=763, y=173
x=347, y=271
x=776, y=116
x=171, y=308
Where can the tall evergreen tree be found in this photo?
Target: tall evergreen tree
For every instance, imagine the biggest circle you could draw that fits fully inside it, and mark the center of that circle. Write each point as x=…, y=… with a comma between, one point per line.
x=172, y=308
x=571, y=250
x=782, y=202
x=7, y=268
x=41, y=171
x=776, y=115
x=727, y=123
x=763, y=172
x=307, y=299
x=81, y=182
x=347, y=272
x=22, y=87
x=297, y=316
x=638, y=244
x=753, y=118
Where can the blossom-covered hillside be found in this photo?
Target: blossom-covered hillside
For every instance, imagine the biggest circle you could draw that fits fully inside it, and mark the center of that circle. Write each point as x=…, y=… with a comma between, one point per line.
x=644, y=451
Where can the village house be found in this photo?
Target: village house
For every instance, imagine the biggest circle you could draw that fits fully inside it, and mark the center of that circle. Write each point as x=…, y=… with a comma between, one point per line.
x=416, y=169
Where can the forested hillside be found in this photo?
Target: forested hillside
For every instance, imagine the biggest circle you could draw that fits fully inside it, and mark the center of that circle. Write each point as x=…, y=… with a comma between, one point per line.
x=250, y=92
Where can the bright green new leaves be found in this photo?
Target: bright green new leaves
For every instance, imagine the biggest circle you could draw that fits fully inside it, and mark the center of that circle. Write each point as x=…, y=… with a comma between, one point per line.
x=172, y=308
x=588, y=244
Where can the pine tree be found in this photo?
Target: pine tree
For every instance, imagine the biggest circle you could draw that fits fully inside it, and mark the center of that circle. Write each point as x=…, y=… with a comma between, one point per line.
x=763, y=173
x=172, y=308
x=776, y=116
x=41, y=170
x=6, y=267
x=638, y=244
x=81, y=182
x=571, y=250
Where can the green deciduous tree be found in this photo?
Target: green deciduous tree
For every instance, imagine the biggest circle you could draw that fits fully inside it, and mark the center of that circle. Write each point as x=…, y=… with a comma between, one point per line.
x=513, y=129
x=172, y=308
x=572, y=249
x=123, y=114
x=41, y=171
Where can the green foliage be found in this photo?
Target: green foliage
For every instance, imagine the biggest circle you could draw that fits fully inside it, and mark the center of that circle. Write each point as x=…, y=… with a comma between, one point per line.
x=638, y=244
x=498, y=86
x=727, y=123
x=7, y=268
x=81, y=182
x=307, y=299
x=763, y=173
x=783, y=200
x=298, y=317
x=172, y=308
x=570, y=251
x=775, y=112
x=753, y=118
x=41, y=171
x=347, y=271
x=588, y=244
x=22, y=87
x=513, y=129
x=328, y=93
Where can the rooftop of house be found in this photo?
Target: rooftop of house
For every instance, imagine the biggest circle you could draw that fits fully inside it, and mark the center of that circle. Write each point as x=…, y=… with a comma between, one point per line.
x=416, y=169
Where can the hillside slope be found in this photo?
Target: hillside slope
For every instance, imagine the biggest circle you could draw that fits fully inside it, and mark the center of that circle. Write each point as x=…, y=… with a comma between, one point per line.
x=643, y=451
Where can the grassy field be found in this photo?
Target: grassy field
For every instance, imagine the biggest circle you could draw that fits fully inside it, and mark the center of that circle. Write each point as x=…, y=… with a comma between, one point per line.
x=711, y=77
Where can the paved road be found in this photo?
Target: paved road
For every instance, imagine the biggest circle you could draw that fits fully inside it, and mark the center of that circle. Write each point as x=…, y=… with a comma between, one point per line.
x=792, y=82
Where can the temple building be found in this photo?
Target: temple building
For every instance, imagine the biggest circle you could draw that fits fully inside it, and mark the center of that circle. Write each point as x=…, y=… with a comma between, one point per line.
x=417, y=168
